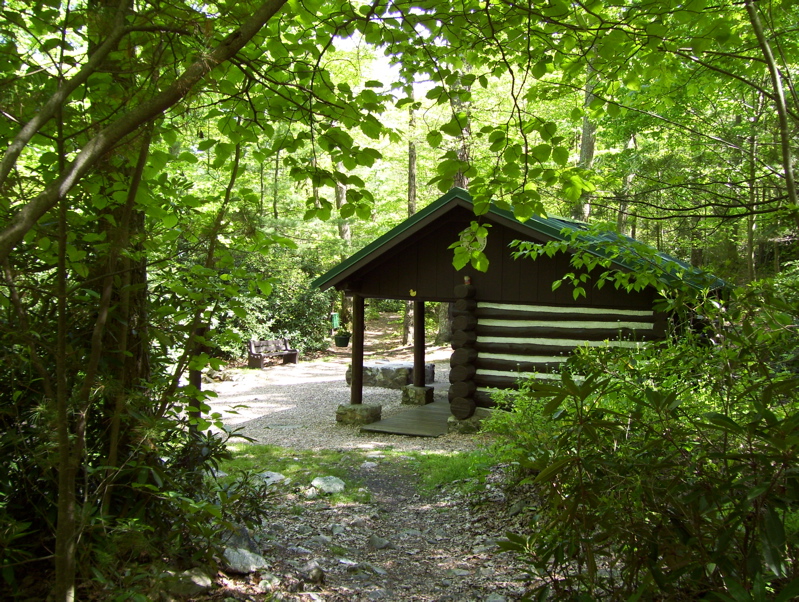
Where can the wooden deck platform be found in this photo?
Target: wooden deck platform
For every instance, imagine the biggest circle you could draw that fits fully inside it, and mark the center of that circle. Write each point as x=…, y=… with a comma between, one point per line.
x=423, y=421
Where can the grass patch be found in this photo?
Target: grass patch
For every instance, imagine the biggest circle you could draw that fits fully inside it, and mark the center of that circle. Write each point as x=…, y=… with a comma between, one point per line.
x=434, y=469
x=301, y=466
x=469, y=469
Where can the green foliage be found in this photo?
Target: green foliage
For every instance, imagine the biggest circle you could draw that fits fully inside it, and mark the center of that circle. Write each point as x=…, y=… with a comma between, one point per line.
x=291, y=309
x=669, y=471
x=466, y=469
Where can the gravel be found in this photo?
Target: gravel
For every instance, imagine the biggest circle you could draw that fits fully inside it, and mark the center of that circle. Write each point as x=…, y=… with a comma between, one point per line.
x=294, y=406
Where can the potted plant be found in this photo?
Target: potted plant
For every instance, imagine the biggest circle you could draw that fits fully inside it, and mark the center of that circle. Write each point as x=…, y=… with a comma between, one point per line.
x=342, y=337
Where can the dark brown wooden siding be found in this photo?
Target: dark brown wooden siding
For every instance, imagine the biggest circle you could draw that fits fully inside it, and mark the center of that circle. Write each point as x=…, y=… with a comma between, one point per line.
x=423, y=264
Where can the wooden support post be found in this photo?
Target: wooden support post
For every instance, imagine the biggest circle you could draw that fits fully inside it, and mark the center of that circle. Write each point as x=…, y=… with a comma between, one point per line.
x=358, y=326
x=418, y=344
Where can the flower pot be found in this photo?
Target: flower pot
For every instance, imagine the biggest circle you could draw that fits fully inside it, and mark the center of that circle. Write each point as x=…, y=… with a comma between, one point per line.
x=342, y=340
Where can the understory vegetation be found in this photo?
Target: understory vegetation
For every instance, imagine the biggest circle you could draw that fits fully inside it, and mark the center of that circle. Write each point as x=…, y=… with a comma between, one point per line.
x=175, y=174
x=668, y=472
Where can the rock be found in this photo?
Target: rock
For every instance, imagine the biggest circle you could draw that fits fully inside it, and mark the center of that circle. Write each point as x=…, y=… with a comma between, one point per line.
x=391, y=375
x=268, y=582
x=358, y=413
x=338, y=529
x=380, y=594
x=378, y=543
x=328, y=484
x=321, y=540
x=240, y=538
x=304, y=530
x=470, y=425
x=411, y=533
x=272, y=478
x=495, y=597
x=369, y=465
x=243, y=561
x=377, y=570
x=187, y=584
x=417, y=396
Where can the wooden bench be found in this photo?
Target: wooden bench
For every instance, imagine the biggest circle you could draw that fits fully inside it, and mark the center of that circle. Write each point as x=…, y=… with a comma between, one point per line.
x=260, y=350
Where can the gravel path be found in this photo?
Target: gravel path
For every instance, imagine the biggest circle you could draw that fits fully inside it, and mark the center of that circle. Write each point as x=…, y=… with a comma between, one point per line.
x=294, y=405
x=400, y=546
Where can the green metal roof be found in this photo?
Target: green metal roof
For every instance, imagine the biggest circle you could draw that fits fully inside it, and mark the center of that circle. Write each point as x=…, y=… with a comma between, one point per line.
x=554, y=228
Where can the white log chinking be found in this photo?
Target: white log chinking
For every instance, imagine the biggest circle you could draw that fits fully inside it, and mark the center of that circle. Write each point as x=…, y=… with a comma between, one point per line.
x=533, y=341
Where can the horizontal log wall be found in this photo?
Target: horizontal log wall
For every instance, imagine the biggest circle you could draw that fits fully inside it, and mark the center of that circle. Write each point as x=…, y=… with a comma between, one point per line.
x=532, y=341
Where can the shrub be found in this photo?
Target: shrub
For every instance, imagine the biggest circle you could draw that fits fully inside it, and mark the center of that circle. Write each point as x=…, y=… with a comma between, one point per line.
x=669, y=472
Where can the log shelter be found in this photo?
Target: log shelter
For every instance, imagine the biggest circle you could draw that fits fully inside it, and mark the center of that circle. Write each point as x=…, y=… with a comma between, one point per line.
x=508, y=321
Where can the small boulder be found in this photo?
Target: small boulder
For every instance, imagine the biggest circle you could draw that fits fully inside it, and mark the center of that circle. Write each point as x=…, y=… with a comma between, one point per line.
x=328, y=484
x=238, y=560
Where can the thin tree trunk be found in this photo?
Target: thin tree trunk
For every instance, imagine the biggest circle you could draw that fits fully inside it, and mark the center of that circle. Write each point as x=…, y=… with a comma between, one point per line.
x=408, y=317
x=582, y=210
x=780, y=105
x=275, y=184
x=462, y=107
x=127, y=375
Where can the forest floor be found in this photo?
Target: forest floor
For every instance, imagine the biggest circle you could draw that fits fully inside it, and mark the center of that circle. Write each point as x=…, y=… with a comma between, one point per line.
x=402, y=543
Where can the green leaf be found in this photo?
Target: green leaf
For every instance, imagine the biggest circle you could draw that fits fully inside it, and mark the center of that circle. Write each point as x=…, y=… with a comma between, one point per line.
x=434, y=138
x=364, y=211
x=479, y=261
x=551, y=471
x=789, y=592
x=560, y=155
x=724, y=422
x=265, y=287
x=541, y=152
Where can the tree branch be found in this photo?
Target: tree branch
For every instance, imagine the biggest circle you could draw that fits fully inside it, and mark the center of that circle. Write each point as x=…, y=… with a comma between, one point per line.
x=30, y=213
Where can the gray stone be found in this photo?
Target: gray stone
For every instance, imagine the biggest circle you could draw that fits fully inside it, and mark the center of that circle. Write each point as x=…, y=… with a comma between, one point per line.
x=272, y=478
x=359, y=413
x=378, y=543
x=368, y=465
x=337, y=529
x=377, y=570
x=328, y=484
x=269, y=581
x=321, y=540
x=417, y=396
x=380, y=594
x=187, y=584
x=391, y=375
x=495, y=597
x=243, y=561
x=240, y=538
x=470, y=425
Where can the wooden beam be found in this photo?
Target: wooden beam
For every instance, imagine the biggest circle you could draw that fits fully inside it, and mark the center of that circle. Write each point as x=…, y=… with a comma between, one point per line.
x=358, y=326
x=418, y=344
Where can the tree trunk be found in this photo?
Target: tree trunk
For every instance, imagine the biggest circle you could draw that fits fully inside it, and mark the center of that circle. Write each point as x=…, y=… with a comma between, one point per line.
x=407, y=318
x=444, y=316
x=780, y=105
x=462, y=108
x=582, y=210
